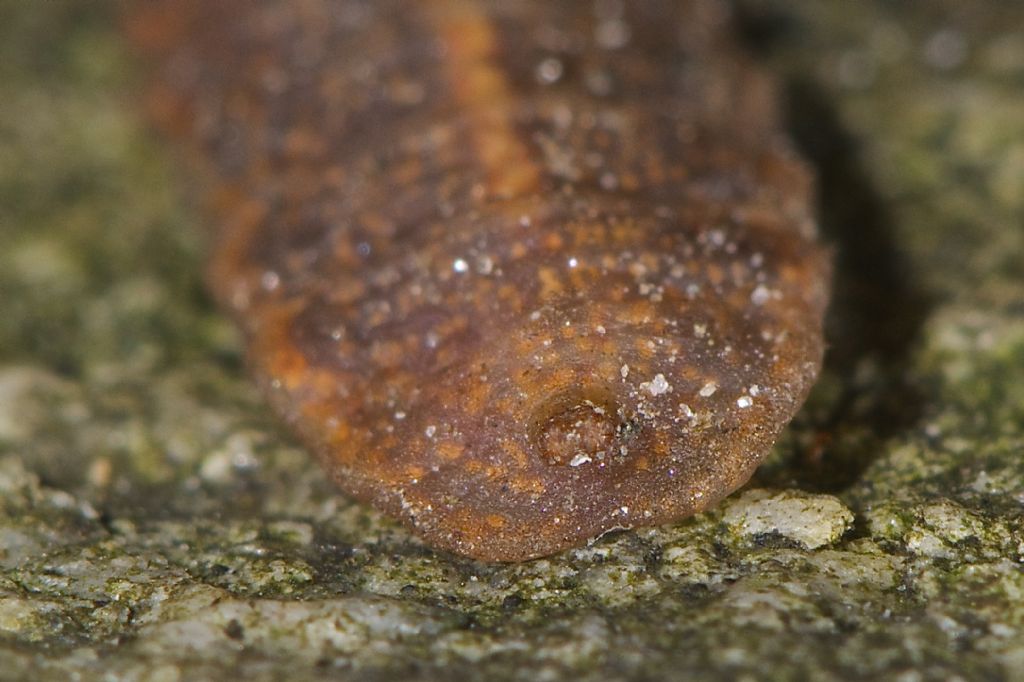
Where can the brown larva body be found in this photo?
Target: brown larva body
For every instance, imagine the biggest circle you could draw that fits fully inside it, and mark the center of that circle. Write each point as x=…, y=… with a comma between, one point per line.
x=519, y=273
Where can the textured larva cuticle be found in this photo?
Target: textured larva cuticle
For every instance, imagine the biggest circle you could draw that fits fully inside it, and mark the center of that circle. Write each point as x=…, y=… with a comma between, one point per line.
x=518, y=273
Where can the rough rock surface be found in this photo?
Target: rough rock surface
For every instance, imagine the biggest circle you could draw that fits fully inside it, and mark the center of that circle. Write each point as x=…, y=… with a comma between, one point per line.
x=156, y=524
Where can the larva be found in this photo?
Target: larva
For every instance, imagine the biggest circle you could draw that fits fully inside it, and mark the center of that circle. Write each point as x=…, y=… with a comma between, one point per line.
x=519, y=273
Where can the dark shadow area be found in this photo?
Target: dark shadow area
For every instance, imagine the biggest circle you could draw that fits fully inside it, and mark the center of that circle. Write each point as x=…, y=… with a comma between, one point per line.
x=877, y=309
x=876, y=312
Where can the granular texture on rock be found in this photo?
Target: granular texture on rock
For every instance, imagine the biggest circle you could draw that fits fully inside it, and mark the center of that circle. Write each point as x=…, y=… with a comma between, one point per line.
x=519, y=273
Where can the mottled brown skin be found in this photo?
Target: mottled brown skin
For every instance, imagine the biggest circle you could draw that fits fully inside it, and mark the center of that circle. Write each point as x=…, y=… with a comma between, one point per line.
x=519, y=273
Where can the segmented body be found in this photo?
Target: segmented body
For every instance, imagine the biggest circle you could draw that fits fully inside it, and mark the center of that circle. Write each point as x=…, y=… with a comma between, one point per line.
x=519, y=273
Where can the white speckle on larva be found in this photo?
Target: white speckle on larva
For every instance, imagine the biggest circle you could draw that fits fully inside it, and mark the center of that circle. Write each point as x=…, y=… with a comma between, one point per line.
x=657, y=385
x=609, y=181
x=760, y=295
x=600, y=329
x=485, y=265
x=549, y=70
x=270, y=280
x=744, y=401
x=460, y=265
x=580, y=459
x=430, y=431
x=624, y=371
x=708, y=390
